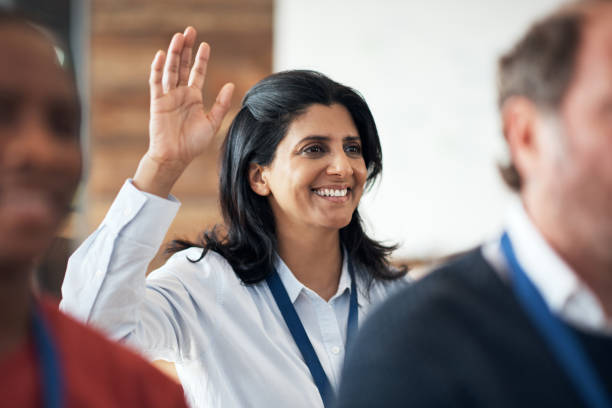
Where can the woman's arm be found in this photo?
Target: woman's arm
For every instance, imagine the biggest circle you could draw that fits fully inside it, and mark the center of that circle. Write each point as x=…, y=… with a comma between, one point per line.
x=105, y=280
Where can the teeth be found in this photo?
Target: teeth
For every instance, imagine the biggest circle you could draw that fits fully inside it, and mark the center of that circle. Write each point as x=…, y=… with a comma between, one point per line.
x=325, y=192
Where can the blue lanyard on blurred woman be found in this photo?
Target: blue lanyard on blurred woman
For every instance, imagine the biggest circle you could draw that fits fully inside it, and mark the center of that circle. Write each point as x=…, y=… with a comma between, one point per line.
x=299, y=333
x=49, y=365
x=563, y=343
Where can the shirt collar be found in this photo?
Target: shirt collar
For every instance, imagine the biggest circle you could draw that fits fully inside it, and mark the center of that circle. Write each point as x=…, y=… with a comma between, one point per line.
x=290, y=282
x=344, y=284
x=294, y=287
x=562, y=289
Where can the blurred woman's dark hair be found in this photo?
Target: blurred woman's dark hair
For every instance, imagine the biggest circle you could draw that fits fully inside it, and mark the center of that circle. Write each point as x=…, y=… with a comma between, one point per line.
x=30, y=21
x=248, y=238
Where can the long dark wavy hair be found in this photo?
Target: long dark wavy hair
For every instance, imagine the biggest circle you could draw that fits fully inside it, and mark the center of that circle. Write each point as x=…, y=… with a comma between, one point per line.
x=248, y=239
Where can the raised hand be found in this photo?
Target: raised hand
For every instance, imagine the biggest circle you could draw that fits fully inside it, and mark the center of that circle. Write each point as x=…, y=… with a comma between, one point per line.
x=179, y=128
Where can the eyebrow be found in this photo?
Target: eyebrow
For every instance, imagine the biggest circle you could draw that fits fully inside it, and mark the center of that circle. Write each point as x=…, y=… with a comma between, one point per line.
x=318, y=138
x=69, y=101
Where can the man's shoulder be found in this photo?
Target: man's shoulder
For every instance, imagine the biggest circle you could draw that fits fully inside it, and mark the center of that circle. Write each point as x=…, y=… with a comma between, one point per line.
x=427, y=337
x=465, y=300
x=465, y=282
x=98, y=368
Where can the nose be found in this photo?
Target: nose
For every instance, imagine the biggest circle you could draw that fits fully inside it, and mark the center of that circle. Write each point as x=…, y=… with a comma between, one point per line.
x=340, y=165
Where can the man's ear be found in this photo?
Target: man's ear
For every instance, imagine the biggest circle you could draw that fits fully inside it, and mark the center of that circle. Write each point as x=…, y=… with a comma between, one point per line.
x=257, y=180
x=519, y=121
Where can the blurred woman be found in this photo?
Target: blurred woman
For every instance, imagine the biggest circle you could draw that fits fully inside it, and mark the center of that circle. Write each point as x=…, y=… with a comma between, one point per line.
x=46, y=358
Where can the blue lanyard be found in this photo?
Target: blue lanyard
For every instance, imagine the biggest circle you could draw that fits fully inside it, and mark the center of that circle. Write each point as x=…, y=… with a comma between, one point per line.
x=50, y=371
x=563, y=343
x=299, y=333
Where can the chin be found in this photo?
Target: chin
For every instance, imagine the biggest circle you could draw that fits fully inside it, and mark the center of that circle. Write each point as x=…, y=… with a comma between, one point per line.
x=338, y=224
x=16, y=264
x=23, y=249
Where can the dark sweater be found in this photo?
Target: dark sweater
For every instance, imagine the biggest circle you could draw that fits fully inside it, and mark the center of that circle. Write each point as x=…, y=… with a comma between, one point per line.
x=459, y=338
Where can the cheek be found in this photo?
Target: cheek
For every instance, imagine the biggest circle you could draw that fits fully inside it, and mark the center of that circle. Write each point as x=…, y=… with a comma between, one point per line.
x=584, y=172
x=302, y=176
x=72, y=161
x=360, y=173
x=288, y=187
x=68, y=170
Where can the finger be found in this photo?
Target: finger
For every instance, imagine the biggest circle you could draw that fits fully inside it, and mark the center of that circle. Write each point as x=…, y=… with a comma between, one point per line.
x=185, y=64
x=221, y=106
x=155, y=79
x=198, y=72
x=170, y=78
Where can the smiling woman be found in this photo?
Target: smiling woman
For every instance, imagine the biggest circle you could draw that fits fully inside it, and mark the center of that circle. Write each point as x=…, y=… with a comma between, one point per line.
x=297, y=135
x=270, y=300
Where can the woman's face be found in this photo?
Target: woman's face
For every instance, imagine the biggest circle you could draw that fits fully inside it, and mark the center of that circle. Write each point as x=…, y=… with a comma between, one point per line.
x=40, y=157
x=318, y=173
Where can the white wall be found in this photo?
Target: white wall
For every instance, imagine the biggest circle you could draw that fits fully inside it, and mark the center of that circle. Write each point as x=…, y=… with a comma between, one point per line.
x=427, y=70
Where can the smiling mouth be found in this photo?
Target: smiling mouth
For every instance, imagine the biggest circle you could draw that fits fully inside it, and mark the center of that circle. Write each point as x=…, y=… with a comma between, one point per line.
x=32, y=205
x=329, y=192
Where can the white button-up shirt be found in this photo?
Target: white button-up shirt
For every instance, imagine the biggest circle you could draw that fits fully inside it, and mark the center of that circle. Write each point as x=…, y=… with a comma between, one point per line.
x=564, y=292
x=229, y=341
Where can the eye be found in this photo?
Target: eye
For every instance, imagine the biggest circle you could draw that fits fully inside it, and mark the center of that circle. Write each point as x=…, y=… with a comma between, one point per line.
x=9, y=109
x=353, y=148
x=313, y=149
x=63, y=120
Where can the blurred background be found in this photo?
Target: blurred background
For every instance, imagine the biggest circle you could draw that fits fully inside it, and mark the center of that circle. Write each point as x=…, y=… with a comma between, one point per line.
x=427, y=70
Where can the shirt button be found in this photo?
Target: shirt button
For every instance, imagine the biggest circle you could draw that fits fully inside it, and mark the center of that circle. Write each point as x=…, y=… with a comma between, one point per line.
x=99, y=273
x=335, y=350
x=127, y=212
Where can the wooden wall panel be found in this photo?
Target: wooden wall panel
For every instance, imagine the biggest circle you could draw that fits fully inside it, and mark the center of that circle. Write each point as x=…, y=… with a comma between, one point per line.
x=125, y=34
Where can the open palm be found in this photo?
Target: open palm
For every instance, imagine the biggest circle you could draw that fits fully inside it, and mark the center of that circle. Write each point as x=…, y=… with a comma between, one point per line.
x=180, y=129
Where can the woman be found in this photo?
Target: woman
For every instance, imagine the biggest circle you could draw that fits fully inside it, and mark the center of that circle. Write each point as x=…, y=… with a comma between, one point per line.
x=46, y=358
x=259, y=314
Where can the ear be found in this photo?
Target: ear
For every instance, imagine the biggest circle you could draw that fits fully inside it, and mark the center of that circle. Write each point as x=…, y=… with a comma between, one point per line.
x=257, y=179
x=519, y=121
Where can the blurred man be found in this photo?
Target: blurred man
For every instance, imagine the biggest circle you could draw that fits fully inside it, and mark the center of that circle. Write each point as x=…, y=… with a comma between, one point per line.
x=46, y=358
x=525, y=320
